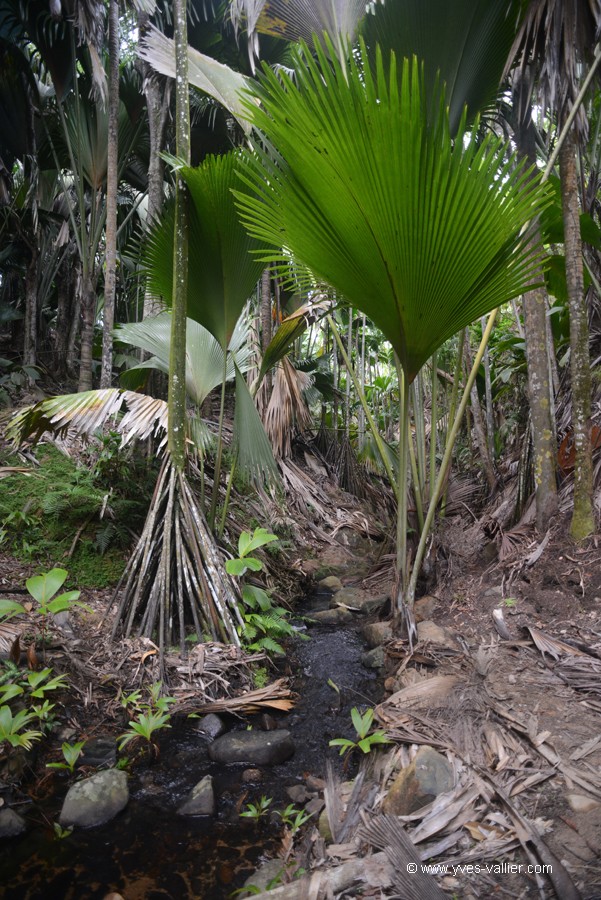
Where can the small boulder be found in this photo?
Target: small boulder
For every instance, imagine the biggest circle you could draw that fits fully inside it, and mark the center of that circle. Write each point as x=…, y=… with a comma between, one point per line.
x=377, y=633
x=95, y=800
x=435, y=634
x=429, y=775
x=257, y=748
x=330, y=583
x=99, y=751
x=11, y=823
x=251, y=776
x=374, y=658
x=200, y=801
x=338, y=616
x=210, y=726
x=267, y=876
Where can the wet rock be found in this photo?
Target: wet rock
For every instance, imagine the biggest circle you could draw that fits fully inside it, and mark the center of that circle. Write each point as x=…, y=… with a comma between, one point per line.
x=210, y=726
x=377, y=633
x=351, y=596
x=419, y=783
x=309, y=567
x=11, y=823
x=259, y=748
x=98, y=751
x=374, y=659
x=435, y=634
x=424, y=607
x=495, y=591
x=330, y=583
x=266, y=877
x=251, y=776
x=95, y=800
x=338, y=616
x=200, y=801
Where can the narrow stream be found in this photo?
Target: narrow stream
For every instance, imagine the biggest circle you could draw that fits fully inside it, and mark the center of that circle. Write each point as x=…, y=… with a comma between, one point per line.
x=150, y=852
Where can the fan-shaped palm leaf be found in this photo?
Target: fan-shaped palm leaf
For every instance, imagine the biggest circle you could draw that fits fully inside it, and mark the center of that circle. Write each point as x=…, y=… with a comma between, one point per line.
x=204, y=356
x=468, y=46
x=422, y=234
x=222, y=270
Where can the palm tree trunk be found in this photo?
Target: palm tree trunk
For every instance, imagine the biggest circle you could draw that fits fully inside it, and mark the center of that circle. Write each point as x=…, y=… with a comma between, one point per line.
x=31, y=308
x=88, y=314
x=536, y=326
x=583, y=522
x=112, y=184
x=485, y=457
x=177, y=361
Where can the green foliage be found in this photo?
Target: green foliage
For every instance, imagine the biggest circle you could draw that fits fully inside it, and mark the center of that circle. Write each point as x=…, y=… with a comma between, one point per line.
x=264, y=624
x=41, y=516
x=362, y=723
x=13, y=378
x=71, y=753
x=294, y=818
x=257, y=810
x=12, y=725
x=148, y=716
x=43, y=589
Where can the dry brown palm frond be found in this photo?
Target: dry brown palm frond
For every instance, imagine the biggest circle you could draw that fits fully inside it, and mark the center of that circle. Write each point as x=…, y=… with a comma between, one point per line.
x=287, y=408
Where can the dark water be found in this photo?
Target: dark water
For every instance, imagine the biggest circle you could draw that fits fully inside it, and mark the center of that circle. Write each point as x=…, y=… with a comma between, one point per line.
x=148, y=851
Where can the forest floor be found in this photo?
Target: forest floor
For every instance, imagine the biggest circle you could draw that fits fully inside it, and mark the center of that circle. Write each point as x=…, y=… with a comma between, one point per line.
x=517, y=713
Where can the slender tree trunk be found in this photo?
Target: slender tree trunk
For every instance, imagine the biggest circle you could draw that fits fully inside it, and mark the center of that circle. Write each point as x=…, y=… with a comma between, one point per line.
x=485, y=458
x=64, y=315
x=30, y=337
x=266, y=326
x=75, y=319
x=534, y=306
x=177, y=359
x=583, y=522
x=112, y=185
x=88, y=314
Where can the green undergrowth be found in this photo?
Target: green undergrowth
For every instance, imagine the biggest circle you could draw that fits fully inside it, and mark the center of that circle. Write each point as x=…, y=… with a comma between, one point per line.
x=84, y=515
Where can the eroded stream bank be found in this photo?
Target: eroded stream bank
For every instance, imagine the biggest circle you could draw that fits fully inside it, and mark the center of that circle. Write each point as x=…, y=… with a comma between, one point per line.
x=149, y=851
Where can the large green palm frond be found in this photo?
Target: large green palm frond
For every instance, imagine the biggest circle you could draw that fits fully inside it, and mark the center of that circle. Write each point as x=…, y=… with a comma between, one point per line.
x=468, y=46
x=204, y=356
x=223, y=270
x=369, y=191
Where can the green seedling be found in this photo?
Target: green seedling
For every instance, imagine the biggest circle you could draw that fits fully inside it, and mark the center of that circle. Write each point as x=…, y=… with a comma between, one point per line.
x=362, y=723
x=294, y=818
x=510, y=602
x=147, y=717
x=60, y=832
x=43, y=589
x=11, y=728
x=257, y=810
x=71, y=753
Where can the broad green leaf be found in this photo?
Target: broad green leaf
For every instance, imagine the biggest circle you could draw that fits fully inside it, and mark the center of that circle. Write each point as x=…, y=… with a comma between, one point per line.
x=422, y=233
x=250, y=443
x=255, y=596
x=248, y=542
x=9, y=608
x=9, y=692
x=222, y=267
x=43, y=587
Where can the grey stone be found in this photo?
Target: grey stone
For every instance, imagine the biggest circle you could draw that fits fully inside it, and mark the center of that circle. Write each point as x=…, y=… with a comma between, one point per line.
x=419, y=783
x=424, y=607
x=266, y=876
x=338, y=616
x=377, y=633
x=330, y=583
x=582, y=803
x=211, y=726
x=374, y=658
x=99, y=751
x=354, y=597
x=298, y=793
x=11, y=823
x=251, y=776
x=435, y=634
x=95, y=800
x=257, y=748
x=200, y=801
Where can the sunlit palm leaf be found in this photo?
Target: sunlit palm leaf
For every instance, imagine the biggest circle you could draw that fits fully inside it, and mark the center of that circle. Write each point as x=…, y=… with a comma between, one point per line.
x=222, y=271
x=209, y=76
x=289, y=330
x=86, y=412
x=420, y=233
x=204, y=356
x=468, y=45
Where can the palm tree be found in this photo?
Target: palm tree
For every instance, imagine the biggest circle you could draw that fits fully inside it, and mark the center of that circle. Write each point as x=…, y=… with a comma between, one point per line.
x=556, y=39
x=370, y=192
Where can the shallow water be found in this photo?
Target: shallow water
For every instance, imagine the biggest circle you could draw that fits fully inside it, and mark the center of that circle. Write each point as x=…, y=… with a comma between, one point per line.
x=148, y=851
